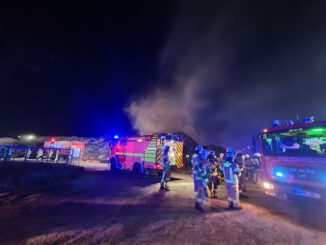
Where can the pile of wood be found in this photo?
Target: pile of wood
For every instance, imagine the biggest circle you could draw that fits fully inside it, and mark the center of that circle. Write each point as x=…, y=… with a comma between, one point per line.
x=96, y=148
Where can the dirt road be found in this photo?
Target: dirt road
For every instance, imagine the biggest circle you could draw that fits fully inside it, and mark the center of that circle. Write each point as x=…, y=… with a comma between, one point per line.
x=115, y=209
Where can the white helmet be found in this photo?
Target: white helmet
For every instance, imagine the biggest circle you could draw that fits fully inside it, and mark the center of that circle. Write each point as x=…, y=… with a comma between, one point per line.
x=211, y=152
x=257, y=155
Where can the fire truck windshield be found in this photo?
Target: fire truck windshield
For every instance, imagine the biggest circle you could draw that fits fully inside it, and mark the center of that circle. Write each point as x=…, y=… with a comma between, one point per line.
x=309, y=141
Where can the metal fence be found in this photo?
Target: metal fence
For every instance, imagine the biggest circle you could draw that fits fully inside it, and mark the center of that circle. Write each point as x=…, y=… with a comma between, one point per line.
x=37, y=154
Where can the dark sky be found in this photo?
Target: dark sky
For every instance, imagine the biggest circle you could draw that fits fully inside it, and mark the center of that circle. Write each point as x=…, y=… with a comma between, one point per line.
x=218, y=70
x=70, y=68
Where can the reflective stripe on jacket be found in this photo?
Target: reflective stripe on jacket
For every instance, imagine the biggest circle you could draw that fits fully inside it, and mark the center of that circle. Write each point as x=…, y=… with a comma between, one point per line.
x=231, y=172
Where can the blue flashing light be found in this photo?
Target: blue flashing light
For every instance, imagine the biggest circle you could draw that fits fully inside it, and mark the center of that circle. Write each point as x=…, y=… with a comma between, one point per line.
x=323, y=178
x=288, y=122
x=116, y=137
x=279, y=174
x=308, y=120
x=276, y=123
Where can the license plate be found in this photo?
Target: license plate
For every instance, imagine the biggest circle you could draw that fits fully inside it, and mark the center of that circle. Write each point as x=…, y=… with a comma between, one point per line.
x=299, y=192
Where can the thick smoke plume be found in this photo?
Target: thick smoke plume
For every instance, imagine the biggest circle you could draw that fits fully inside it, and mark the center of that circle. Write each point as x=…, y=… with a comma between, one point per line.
x=228, y=69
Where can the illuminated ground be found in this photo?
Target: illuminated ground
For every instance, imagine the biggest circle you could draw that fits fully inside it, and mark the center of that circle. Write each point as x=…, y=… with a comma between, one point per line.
x=116, y=209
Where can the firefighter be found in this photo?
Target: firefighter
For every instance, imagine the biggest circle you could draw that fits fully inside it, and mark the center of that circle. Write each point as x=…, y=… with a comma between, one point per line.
x=56, y=158
x=172, y=160
x=199, y=177
x=221, y=157
x=231, y=174
x=213, y=173
x=256, y=162
x=29, y=152
x=220, y=162
x=50, y=155
x=165, y=168
x=244, y=172
x=39, y=154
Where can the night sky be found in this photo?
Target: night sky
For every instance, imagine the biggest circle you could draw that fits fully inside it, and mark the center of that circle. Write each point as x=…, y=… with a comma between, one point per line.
x=69, y=69
x=217, y=70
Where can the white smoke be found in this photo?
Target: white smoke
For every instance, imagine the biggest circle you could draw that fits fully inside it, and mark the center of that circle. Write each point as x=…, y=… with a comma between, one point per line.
x=223, y=84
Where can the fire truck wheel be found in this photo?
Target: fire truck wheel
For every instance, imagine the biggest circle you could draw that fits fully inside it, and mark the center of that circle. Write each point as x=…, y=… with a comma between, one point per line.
x=113, y=163
x=136, y=170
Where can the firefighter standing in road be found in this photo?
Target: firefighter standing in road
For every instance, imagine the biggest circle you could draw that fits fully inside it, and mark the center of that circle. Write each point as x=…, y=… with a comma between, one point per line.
x=165, y=168
x=256, y=162
x=213, y=173
x=199, y=177
x=231, y=173
x=244, y=172
x=172, y=161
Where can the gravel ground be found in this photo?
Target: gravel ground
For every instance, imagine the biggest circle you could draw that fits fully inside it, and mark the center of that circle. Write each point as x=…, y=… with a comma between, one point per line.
x=116, y=209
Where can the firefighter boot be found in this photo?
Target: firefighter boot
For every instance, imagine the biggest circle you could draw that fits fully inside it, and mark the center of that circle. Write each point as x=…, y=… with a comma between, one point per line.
x=237, y=206
x=199, y=207
x=162, y=187
x=214, y=194
x=230, y=205
x=210, y=193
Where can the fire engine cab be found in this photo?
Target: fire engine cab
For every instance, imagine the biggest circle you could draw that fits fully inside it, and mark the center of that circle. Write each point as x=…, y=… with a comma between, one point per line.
x=143, y=154
x=293, y=159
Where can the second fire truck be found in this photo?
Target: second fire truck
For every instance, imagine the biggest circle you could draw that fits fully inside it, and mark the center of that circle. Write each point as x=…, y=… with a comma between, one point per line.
x=143, y=154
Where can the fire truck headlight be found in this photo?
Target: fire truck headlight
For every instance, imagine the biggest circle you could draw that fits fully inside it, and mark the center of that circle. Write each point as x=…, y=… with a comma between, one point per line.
x=268, y=186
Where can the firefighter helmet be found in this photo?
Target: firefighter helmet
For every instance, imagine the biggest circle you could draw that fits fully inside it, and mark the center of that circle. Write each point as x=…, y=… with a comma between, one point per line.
x=211, y=152
x=257, y=155
x=198, y=148
x=230, y=152
x=204, y=153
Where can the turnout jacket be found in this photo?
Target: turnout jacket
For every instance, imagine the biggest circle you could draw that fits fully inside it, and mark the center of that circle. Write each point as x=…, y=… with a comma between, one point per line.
x=231, y=171
x=198, y=167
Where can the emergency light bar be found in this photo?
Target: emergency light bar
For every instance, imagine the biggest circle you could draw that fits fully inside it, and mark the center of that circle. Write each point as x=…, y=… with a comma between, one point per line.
x=276, y=123
x=308, y=120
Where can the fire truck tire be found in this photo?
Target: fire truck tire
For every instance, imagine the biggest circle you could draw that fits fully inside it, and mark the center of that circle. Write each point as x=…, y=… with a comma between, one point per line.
x=113, y=163
x=137, y=170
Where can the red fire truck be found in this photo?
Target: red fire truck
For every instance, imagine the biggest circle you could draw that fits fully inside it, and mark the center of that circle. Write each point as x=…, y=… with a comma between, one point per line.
x=142, y=154
x=293, y=160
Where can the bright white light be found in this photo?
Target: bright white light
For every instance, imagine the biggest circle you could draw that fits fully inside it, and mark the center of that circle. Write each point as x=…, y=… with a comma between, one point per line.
x=279, y=174
x=28, y=137
x=268, y=186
